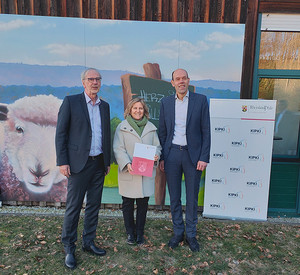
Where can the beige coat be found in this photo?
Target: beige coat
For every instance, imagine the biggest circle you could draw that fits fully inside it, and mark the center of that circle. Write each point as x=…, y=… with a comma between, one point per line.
x=133, y=186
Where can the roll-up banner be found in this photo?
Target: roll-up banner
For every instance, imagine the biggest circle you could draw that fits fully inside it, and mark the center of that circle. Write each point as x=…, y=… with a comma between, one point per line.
x=238, y=175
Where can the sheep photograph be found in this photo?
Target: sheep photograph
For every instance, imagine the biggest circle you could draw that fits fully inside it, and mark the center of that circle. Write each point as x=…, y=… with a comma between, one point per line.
x=28, y=169
x=44, y=64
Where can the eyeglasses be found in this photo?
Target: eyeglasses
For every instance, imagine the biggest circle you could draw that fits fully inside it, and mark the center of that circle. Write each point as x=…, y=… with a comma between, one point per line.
x=92, y=79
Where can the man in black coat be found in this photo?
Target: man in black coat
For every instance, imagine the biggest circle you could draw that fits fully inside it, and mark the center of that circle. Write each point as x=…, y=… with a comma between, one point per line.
x=83, y=155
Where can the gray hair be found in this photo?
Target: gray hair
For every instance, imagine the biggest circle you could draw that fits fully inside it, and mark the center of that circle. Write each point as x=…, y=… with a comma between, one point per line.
x=83, y=74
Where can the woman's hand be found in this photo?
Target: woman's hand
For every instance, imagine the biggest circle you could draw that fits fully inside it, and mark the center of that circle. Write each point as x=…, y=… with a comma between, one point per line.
x=129, y=168
x=156, y=158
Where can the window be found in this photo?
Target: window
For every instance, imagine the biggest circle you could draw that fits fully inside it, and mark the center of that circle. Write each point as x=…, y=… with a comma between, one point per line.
x=278, y=77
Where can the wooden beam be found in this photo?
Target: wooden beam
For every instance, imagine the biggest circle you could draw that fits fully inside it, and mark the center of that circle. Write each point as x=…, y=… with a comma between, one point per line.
x=63, y=7
x=206, y=8
x=173, y=11
x=291, y=6
x=12, y=7
x=105, y=9
x=28, y=7
x=159, y=10
x=127, y=13
x=87, y=11
x=249, y=50
x=165, y=10
x=190, y=10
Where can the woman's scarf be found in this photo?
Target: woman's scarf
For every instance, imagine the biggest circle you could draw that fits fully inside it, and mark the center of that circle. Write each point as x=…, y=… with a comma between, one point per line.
x=137, y=125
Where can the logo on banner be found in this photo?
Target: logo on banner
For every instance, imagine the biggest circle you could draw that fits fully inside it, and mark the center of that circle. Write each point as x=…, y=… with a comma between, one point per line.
x=219, y=206
x=259, y=157
x=239, y=169
x=218, y=181
x=223, y=155
x=241, y=143
x=256, y=183
x=244, y=108
x=259, y=108
x=252, y=209
x=223, y=129
x=237, y=195
x=258, y=131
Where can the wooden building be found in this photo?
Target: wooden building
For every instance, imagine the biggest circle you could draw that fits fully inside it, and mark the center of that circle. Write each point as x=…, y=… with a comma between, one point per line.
x=266, y=74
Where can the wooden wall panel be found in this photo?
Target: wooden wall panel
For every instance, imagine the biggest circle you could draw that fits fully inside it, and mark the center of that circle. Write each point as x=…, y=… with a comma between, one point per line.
x=41, y=7
x=205, y=7
x=173, y=10
x=232, y=12
x=249, y=50
x=244, y=7
x=216, y=11
x=165, y=10
x=290, y=6
x=105, y=9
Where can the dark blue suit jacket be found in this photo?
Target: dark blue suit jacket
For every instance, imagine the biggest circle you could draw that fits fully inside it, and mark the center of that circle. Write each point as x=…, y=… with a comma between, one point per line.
x=74, y=134
x=197, y=127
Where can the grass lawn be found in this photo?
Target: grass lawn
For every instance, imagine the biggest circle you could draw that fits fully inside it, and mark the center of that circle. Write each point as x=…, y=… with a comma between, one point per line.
x=31, y=245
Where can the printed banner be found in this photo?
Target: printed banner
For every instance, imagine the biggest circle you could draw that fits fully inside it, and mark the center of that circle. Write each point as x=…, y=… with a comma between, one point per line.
x=238, y=175
x=36, y=77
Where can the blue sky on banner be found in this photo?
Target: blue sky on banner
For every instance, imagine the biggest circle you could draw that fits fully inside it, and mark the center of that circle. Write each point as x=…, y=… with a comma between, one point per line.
x=206, y=50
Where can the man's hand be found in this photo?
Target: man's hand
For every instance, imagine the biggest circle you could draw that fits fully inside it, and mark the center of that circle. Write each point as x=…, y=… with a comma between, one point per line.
x=65, y=170
x=201, y=165
x=107, y=170
x=162, y=165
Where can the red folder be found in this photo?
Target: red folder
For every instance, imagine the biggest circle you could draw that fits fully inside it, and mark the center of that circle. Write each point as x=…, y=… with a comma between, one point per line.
x=142, y=166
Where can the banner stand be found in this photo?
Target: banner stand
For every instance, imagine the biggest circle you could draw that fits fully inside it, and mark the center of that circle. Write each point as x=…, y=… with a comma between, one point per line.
x=238, y=175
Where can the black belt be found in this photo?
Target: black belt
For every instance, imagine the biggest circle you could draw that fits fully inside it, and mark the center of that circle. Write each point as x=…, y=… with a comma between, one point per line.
x=95, y=157
x=180, y=147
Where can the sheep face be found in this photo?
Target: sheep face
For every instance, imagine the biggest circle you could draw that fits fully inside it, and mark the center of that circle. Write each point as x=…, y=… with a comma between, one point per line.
x=30, y=150
x=28, y=141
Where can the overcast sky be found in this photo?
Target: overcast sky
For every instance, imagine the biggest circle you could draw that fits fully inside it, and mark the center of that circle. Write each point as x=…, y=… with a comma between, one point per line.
x=207, y=51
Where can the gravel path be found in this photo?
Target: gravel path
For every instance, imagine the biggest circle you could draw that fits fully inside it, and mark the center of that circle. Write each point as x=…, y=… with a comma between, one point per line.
x=111, y=213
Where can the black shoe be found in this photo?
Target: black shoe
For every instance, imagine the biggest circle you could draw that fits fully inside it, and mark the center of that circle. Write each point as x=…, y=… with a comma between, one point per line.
x=140, y=239
x=130, y=239
x=193, y=244
x=174, y=242
x=70, y=261
x=94, y=250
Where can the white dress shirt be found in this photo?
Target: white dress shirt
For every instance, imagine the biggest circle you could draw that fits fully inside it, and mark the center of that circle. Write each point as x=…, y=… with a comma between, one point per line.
x=181, y=107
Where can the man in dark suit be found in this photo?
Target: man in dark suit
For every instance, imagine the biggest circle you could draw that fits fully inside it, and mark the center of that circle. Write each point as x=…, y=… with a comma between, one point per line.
x=184, y=133
x=83, y=156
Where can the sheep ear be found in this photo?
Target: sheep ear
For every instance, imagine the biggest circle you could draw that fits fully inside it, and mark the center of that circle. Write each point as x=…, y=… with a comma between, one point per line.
x=3, y=111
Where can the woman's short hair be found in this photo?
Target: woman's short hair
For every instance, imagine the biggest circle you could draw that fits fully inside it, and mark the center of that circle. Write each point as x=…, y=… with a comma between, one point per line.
x=132, y=102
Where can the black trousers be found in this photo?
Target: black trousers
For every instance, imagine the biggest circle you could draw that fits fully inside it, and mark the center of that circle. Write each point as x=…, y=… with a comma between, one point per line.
x=128, y=215
x=89, y=181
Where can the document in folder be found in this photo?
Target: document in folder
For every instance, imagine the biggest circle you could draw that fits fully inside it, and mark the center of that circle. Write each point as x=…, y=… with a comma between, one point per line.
x=143, y=159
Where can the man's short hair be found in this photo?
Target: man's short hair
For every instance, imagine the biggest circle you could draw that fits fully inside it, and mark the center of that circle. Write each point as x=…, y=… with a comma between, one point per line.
x=177, y=70
x=83, y=74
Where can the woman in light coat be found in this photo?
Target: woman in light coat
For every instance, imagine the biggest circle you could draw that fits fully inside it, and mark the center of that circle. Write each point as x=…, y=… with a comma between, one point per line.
x=136, y=128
